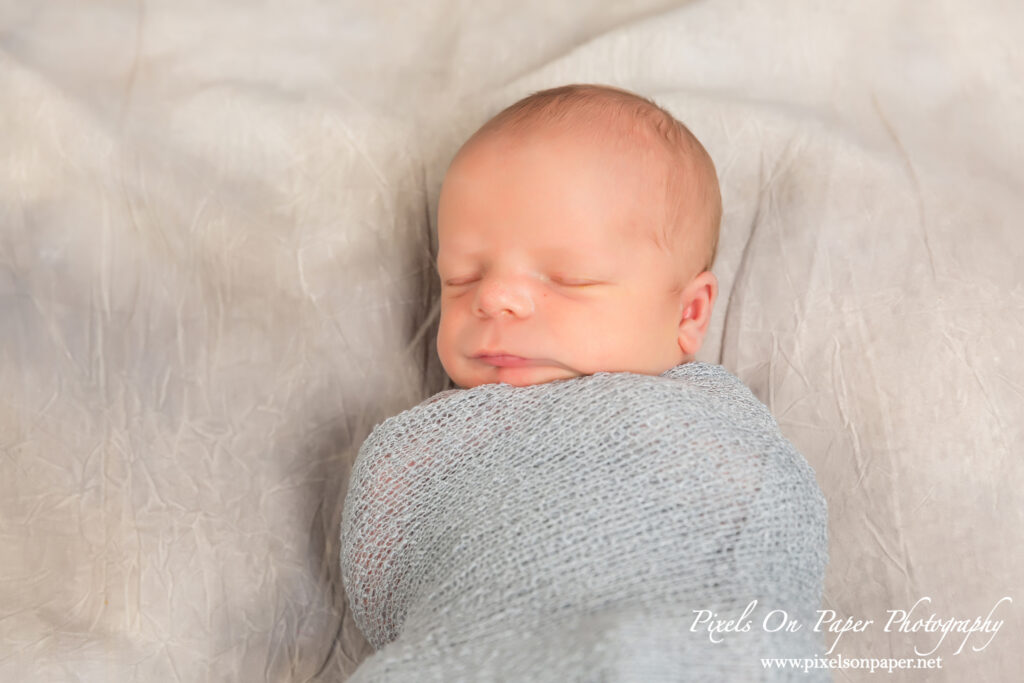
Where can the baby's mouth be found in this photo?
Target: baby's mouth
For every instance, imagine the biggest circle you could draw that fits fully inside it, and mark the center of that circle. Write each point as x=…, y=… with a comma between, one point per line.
x=507, y=361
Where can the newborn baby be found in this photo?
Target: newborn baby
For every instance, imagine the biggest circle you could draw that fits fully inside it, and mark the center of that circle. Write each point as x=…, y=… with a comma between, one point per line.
x=576, y=231
x=591, y=494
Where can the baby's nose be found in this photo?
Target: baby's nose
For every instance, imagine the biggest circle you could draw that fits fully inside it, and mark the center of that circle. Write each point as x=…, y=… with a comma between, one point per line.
x=497, y=294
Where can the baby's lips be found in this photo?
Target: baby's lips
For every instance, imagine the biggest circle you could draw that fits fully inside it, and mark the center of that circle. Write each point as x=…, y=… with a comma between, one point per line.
x=507, y=361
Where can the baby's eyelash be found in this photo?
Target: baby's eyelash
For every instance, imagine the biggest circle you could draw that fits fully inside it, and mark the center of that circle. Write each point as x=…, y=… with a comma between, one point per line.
x=565, y=282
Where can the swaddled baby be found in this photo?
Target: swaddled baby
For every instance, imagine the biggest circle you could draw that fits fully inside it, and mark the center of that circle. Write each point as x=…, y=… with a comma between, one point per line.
x=590, y=495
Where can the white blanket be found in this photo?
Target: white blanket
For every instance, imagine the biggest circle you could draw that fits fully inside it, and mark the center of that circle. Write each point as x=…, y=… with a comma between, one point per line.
x=215, y=278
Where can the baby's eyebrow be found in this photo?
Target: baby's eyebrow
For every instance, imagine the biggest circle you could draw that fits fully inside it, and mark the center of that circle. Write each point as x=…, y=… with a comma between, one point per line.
x=565, y=250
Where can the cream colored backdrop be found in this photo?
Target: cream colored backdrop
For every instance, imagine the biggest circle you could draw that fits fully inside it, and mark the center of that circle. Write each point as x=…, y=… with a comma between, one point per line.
x=215, y=278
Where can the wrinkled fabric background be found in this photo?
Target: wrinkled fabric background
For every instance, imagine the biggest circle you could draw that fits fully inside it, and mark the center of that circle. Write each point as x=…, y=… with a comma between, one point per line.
x=215, y=278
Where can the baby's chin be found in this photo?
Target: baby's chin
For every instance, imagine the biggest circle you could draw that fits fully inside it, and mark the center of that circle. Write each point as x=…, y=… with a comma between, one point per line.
x=519, y=377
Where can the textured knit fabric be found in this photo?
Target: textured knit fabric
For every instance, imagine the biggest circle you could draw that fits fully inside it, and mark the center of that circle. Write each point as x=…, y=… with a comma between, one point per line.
x=573, y=530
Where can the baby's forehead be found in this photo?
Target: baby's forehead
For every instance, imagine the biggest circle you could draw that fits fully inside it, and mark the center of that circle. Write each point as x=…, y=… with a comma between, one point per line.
x=585, y=159
x=620, y=136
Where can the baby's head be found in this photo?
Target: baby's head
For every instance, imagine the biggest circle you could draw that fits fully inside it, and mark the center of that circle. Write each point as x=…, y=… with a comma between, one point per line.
x=576, y=229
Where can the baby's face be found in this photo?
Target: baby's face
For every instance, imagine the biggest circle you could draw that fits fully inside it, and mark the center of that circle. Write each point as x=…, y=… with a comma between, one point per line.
x=544, y=254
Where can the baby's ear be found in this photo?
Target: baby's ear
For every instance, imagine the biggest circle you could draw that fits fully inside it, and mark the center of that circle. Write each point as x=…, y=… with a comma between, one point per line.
x=698, y=298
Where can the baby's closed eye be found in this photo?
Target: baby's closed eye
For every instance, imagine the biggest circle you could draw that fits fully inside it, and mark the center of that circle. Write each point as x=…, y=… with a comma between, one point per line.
x=575, y=282
x=557, y=279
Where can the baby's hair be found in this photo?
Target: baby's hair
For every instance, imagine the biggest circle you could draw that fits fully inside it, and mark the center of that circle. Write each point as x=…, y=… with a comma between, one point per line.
x=692, y=172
